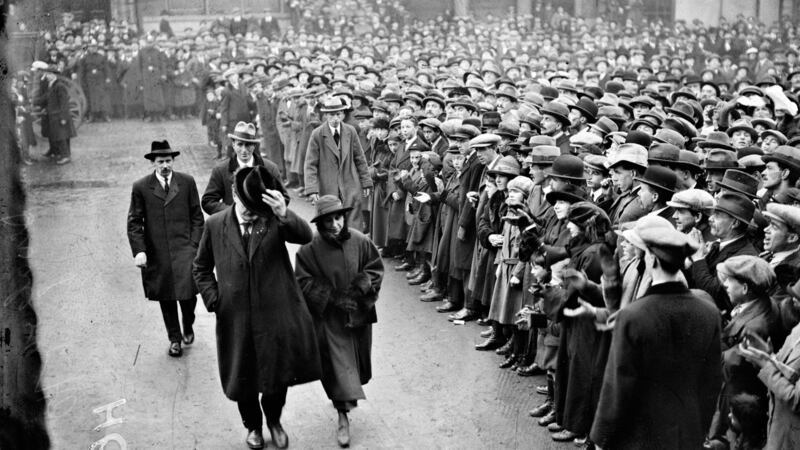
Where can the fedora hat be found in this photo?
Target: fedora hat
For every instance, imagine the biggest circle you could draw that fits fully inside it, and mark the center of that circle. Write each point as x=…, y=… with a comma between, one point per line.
x=663, y=153
x=786, y=156
x=719, y=159
x=736, y=205
x=670, y=136
x=571, y=193
x=508, y=129
x=604, y=125
x=334, y=104
x=250, y=183
x=558, y=111
x=507, y=165
x=741, y=182
x=160, y=148
x=544, y=155
x=659, y=177
x=716, y=139
x=569, y=167
x=682, y=109
x=244, y=131
x=629, y=153
x=327, y=205
x=689, y=160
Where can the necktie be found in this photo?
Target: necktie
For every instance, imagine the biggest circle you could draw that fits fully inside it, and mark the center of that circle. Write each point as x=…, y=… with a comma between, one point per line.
x=246, y=234
x=336, y=137
x=166, y=186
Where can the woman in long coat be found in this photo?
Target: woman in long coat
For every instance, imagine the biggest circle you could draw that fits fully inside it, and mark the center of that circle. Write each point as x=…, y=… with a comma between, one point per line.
x=340, y=274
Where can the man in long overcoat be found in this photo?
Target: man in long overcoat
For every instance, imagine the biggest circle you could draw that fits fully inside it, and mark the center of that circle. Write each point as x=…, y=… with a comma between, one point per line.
x=57, y=126
x=164, y=227
x=153, y=67
x=265, y=333
x=235, y=103
x=94, y=72
x=335, y=163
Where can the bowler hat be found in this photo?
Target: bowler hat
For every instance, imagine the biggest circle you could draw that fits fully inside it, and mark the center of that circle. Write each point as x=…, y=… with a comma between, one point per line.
x=743, y=125
x=736, y=205
x=327, y=205
x=587, y=107
x=659, y=177
x=558, y=111
x=741, y=182
x=569, y=167
x=786, y=156
x=250, y=183
x=160, y=148
x=244, y=131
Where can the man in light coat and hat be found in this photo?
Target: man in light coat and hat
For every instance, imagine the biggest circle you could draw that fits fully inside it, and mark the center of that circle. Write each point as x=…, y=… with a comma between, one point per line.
x=335, y=163
x=164, y=226
x=265, y=334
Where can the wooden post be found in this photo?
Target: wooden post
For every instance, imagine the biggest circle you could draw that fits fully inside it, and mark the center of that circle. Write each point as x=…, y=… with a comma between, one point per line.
x=22, y=403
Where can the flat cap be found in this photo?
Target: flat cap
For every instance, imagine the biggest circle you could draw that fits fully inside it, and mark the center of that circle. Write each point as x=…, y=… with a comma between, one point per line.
x=694, y=199
x=484, y=140
x=789, y=215
x=752, y=269
x=596, y=162
x=657, y=234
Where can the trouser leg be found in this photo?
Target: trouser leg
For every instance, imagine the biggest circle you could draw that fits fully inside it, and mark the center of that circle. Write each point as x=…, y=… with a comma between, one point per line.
x=272, y=404
x=250, y=411
x=344, y=405
x=187, y=310
x=169, y=310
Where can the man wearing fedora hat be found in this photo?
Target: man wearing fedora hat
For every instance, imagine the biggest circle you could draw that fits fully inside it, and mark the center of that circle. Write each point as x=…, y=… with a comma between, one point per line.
x=219, y=193
x=335, y=163
x=265, y=334
x=164, y=226
x=57, y=126
x=340, y=273
x=663, y=372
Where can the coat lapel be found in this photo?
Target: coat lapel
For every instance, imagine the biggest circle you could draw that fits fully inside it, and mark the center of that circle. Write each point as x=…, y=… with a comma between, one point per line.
x=231, y=232
x=173, y=190
x=258, y=233
x=328, y=140
x=158, y=191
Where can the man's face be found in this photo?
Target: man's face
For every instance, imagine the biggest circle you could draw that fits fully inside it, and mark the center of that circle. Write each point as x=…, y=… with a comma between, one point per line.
x=773, y=175
x=503, y=104
x=550, y=125
x=594, y=179
x=721, y=224
x=334, y=118
x=485, y=155
x=647, y=196
x=740, y=139
x=163, y=165
x=460, y=112
x=433, y=109
x=712, y=178
x=684, y=220
x=777, y=237
x=429, y=133
x=622, y=178
x=244, y=150
x=407, y=129
x=575, y=118
x=735, y=289
x=769, y=144
x=538, y=174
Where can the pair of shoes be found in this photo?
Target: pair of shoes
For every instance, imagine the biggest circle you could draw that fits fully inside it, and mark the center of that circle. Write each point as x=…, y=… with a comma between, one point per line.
x=564, y=436
x=63, y=160
x=549, y=419
x=447, y=307
x=423, y=276
x=491, y=343
x=509, y=362
x=541, y=410
x=553, y=427
x=343, y=431
x=465, y=314
x=426, y=286
x=531, y=370
x=487, y=332
x=188, y=335
x=484, y=322
x=404, y=267
x=279, y=437
x=505, y=350
x=541, y=389
x=175, y=349
x=254, y=439
x=433, y=295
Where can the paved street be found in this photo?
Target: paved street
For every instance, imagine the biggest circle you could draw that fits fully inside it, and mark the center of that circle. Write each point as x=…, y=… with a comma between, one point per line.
x=103, y=342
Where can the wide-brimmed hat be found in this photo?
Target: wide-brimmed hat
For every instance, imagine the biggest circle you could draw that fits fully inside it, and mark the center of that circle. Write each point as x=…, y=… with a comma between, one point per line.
x=786, y=156
x=571, y=193
x=557, y=110
x=250, y=183
x=664, y=153
x=741, y=182
x=682, y=109
x=659, y=177
x=689, y=160
x=334, y=104
x=716, y=139
x=719, y=159
x=585, y=212
x=327, y=205
x=160, y=148
x=569, y=167
x=507, y=165
x=244, y=131
x=736, y=205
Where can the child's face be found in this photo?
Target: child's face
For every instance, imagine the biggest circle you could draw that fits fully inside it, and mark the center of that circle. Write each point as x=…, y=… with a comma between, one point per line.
x=458, y=162
x=415, y=157
x=515, y=197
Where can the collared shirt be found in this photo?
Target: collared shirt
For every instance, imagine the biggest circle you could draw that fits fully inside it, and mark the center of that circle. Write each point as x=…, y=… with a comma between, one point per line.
x=245, y=164
x=161, y=179
x=243, y=224
x=336, y=130
x=723, y=244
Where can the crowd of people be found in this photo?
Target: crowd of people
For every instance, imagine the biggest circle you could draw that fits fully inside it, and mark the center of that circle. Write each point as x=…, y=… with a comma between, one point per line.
x=617, y=205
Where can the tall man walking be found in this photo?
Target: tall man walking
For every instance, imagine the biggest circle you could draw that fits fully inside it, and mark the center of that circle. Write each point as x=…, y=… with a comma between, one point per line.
x=335, y=163
x=265, y=333
x=164, y=226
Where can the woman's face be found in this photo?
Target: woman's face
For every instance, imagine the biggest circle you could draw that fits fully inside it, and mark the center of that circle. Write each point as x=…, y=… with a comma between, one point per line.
x=561, y=208
x=333, y=223
x=501, y=181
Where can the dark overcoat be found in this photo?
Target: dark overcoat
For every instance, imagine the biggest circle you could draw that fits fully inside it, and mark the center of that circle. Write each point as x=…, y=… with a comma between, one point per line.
x=463, y=249
x=55, y=100
x=703, y=273
x=167, y=229
x=663, y=373
x=93, y=71
x=258, y=304
x=219, y=191
x=337, y=170
x=271, y=145
x=235, y=106
x=153, y=67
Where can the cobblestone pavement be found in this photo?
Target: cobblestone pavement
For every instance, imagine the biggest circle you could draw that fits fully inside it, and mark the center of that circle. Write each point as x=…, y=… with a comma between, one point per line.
x=102, y=342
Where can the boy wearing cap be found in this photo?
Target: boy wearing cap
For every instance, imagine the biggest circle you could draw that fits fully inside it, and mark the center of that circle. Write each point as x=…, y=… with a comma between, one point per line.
x=690, y=211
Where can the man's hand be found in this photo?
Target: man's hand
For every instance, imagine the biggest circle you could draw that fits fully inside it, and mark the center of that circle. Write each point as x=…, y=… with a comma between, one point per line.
x=396, y=196
x=584, y=310
x=697, y=236
x=313, y=198
x=461, y=234
x=366, y=191
x=140, y=260
x=496, y=240
x=275, y=201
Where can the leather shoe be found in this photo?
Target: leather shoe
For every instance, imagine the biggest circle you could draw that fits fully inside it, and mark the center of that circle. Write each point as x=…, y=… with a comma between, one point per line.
x=506, y=348
x=531, y=370
x=425, y=287
x=549, y=419
x=421, y=278
x=188, y=335
x=279, y=436
x=255, y=439
x=343, y=431
x=464, y=314
x=447, y=307
x=403, y=267
x=553, y=427
x=564, y=436
x=175, y=349
x=487, y=332
x=484, y=322
x=541, y=410
x=434, y=295
x=510, y=361
x=414, y=273
x=492, y=343
x=541, y=389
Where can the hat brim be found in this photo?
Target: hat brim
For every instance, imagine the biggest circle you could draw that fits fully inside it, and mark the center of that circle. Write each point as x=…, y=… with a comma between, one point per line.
x=750, y=130
x=153, y=155
x=737, y=190
x=332, y=110
x=780, y=159
x=256, y=206
x=240, y=138
x=328, y=213
x=650, y=183
x=502, y=172
x=554, y=196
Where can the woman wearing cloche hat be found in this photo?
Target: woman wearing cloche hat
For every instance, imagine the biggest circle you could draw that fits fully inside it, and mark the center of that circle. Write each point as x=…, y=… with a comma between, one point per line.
x=340, y=273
